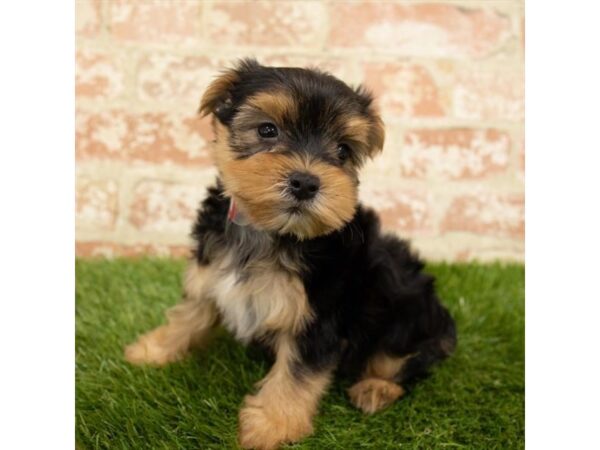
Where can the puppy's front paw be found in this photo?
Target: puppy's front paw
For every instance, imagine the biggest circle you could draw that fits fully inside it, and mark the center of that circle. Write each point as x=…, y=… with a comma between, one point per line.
x=374, y=394
x=152, y=349
x=266, y=427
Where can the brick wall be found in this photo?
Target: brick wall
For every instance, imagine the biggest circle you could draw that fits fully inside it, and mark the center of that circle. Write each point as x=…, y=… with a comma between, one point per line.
x=448, y=76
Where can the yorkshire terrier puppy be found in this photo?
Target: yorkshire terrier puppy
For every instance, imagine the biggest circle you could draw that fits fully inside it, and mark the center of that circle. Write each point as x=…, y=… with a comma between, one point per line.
x=286, y=256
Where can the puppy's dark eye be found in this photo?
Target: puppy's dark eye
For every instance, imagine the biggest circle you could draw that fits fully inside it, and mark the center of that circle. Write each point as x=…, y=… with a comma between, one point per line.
x=267, y=130
x=343, y=151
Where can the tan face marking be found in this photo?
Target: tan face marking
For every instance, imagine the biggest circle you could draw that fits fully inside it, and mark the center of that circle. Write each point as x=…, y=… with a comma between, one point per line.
x=259, y=183
x=277, y=105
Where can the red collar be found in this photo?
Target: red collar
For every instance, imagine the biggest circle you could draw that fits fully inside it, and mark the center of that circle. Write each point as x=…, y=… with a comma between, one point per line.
x=235, y=215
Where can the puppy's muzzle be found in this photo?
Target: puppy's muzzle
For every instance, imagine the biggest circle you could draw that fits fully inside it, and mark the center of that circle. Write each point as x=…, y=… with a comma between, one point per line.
x=303, y=185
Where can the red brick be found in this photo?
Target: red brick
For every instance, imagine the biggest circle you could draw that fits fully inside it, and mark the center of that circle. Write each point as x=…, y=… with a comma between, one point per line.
x=165, y=207
x=454, y=153
x=487, y=214
x=88, y=15
x=98, y=75
x=144, y=137
x=96, y=203
x=405, y=90
x=488, y=95
x=94, y=249
x=155, y=20
x=404, y=211
x=429, y=30
x=182, y=79
x=266, y=23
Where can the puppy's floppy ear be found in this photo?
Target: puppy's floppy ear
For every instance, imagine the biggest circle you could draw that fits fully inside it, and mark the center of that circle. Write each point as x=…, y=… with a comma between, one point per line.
x=376, y=136
x=217, y=98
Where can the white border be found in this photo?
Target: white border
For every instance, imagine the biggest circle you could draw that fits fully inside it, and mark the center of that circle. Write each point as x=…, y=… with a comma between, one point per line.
x=36, y=226
x=562, y=224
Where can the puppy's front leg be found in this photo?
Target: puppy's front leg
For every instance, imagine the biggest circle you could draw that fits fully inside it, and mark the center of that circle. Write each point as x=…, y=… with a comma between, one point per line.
x=188, y=324
x=283, y=409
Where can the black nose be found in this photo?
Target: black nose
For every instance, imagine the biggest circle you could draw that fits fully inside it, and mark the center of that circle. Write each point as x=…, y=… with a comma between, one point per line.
x=304, y=186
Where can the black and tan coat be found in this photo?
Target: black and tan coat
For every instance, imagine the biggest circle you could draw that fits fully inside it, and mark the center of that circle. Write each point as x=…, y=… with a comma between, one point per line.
x=308, y=274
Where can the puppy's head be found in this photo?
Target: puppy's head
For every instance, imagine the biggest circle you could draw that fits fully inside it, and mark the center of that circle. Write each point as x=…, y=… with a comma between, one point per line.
x=289, y=143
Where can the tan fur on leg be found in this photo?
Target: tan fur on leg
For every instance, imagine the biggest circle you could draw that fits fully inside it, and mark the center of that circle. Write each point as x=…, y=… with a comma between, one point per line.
x=377, y=390
x=188, y=325
x=385, y=366
x=373, y=394
x=283, y=409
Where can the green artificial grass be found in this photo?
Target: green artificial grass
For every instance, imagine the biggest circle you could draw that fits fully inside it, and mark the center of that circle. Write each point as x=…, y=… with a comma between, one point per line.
x=473, y=400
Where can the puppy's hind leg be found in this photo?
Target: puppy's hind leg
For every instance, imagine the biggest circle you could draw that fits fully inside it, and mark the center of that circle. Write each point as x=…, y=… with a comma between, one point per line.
x=188, y=324
x=377, y=388
x=380, y=383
